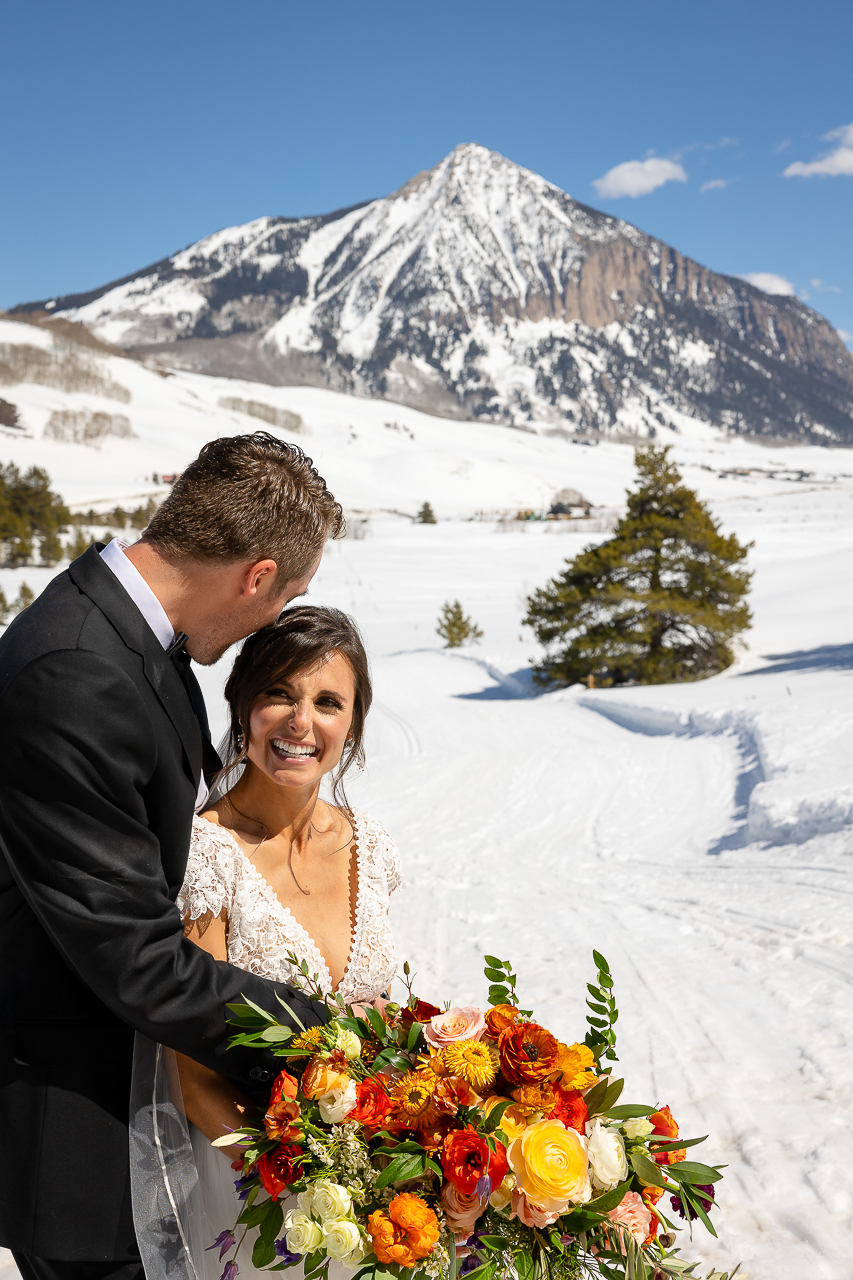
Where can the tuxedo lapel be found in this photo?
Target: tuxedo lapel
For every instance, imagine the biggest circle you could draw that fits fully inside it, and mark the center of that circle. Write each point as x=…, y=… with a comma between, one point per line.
x=100, y=584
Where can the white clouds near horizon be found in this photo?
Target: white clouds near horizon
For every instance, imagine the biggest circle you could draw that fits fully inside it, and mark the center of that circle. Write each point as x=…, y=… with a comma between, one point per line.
x=823, y=287
x=836, y=162
x=716, y=184
x=769, y=282
x=638, y=177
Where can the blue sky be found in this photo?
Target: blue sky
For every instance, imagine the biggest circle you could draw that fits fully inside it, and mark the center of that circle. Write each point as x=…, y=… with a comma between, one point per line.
x=128, y=131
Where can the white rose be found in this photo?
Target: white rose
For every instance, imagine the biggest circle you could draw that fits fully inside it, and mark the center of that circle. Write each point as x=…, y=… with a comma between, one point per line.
x=302, y=1235
x=305, y=1199
x=606, y=1151
x=331, y=1201
x=348, y=1042
x=336, y=1105
x=342, y=1241
x=640, y=1127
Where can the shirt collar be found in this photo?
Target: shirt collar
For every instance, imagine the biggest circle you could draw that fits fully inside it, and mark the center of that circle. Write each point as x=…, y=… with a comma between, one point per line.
x=139, y=591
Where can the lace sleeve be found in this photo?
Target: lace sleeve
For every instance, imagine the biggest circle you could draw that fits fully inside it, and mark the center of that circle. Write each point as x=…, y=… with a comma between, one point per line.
x=385, y=855
x=209, y=880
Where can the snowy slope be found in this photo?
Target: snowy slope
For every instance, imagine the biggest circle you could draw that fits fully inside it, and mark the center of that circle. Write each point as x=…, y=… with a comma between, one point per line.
x=699, y=835
x=482, y=291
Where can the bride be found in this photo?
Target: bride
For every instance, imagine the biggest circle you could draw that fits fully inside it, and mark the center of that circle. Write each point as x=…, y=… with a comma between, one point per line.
x=276, y=874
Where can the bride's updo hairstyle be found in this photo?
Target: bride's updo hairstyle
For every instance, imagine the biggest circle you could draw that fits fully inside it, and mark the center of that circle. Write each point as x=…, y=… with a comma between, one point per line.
x=301, y=638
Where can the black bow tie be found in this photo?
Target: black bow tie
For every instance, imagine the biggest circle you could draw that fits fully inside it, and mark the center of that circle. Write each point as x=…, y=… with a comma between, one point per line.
x=178, y=653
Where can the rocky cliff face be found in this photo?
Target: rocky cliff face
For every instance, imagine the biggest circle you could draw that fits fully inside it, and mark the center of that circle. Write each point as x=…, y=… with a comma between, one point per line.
x=479, y=290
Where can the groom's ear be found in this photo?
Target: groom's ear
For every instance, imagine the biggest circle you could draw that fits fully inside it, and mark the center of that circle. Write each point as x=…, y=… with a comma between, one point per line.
x=258, y=579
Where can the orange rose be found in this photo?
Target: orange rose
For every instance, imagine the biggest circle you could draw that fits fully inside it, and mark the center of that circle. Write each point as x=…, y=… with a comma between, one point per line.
x=322, y=1075
x=373, y=1106
x=467, y=1157
x=665, y=1125
x=499, y=1018
x=528, y=1053
x=406, y=1233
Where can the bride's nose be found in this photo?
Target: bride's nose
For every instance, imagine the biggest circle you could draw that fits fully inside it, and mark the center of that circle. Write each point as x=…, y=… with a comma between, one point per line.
x=300, y=716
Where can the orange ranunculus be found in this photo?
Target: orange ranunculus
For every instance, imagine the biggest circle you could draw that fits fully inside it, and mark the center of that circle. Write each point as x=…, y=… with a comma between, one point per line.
x=569, y=1106
x=280, y=1118
x=667, y=1128
x=406, y=1233
x=279, y=1168
x=499, y=1018
x=533, y=1099
x=467, y=1157
x=373, y=1106
x=528, y=1052
x=324, y=1074
x=576, y=1062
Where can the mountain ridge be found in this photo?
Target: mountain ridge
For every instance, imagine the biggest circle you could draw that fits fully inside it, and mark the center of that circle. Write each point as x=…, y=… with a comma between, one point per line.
x=479, y=290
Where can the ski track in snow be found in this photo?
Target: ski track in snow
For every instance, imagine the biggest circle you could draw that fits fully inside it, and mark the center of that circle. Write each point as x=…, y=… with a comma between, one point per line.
x=699, y=835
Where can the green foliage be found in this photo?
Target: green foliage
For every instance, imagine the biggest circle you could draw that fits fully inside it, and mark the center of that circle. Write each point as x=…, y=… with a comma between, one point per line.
x=24, y=599
x=78, y=545
x=601, y=1037
x=426, y=515
x=454, y=627
x=660, y=601
x=29, y=511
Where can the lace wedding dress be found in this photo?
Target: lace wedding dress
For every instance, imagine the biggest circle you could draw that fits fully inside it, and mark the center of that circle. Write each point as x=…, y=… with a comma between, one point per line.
x=183, y=1187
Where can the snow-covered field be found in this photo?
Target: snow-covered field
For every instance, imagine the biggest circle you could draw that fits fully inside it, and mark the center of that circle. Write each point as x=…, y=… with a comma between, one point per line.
x=699, y=835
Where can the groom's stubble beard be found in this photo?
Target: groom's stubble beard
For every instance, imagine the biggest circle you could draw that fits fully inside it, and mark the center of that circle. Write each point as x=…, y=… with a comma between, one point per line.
x=208, y=646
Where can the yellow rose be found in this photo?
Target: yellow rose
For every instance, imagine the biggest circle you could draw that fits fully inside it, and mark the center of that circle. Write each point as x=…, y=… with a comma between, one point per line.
x=513, y=1121
x=550, y=1165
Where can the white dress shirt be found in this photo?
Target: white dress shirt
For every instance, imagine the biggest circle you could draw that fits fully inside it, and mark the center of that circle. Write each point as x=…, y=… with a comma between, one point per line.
x=150, y=608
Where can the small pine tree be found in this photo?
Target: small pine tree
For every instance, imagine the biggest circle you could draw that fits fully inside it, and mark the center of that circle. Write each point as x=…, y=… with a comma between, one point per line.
x=660, y=601
x=25, y=598
x=426, y=515
x=51, y=548
x=78, y=545
x=4, y=607
x=454, y=628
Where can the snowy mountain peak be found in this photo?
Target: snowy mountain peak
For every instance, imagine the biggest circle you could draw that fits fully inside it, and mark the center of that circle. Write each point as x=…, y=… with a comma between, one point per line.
x=480, y=290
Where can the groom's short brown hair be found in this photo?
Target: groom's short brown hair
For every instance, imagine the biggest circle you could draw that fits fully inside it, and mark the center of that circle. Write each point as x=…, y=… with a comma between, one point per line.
x=249, y=498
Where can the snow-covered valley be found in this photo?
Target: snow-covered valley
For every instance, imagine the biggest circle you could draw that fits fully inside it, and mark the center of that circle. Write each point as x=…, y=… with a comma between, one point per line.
x=699, y=835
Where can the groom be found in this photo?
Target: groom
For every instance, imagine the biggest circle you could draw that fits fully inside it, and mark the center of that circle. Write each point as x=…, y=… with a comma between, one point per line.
x=104, y=754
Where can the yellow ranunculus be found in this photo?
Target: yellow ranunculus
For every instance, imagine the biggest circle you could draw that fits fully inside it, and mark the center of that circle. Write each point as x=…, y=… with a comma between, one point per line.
x=577, y=1064
x=513, y=1120
x=550, y=1164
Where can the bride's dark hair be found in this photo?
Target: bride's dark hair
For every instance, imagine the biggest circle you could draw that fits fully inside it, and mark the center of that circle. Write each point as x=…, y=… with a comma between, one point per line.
x=299, y=639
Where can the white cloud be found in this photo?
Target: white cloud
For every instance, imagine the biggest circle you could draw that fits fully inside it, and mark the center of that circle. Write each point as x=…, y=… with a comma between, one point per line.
x=844, y=335
x=638, y=177
x=767, y=282
x=823, y=287
x=838, y=161
x=716, y=184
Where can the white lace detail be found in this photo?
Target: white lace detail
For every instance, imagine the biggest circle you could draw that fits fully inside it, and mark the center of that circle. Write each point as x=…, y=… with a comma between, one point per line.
x=261, y=931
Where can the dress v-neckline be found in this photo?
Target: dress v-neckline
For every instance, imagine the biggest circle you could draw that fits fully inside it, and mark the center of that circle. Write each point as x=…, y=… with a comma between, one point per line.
x=285, y=910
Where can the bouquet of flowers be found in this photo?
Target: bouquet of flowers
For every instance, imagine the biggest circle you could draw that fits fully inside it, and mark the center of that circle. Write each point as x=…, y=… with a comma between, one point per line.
x=440, y=1143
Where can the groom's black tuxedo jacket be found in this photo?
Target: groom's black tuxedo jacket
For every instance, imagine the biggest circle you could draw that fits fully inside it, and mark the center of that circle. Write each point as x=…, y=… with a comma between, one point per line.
x=100, y=757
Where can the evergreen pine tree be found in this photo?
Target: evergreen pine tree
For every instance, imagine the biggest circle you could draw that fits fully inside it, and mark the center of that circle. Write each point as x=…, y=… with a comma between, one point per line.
x=454, y=627
x=426, y=515
x=660, y=601
x=78, y=545
x=26, y=596
x=4, y=607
